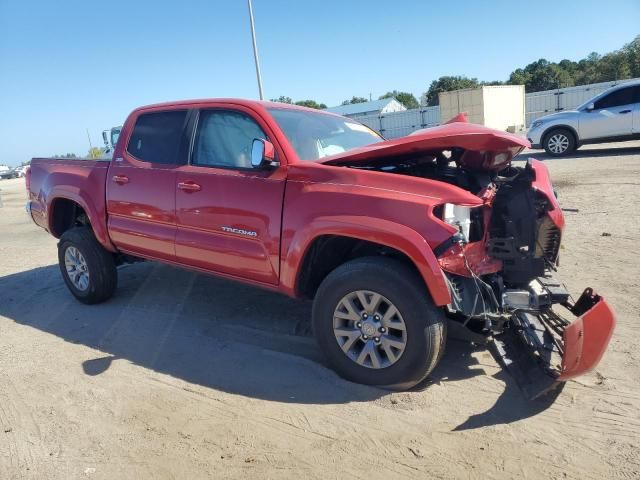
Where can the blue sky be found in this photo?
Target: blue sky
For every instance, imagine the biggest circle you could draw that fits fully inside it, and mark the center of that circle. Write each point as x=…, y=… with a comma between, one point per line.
x=72, y=65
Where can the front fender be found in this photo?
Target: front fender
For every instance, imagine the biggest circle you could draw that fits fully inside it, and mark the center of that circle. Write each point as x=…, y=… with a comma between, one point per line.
x=384, y=232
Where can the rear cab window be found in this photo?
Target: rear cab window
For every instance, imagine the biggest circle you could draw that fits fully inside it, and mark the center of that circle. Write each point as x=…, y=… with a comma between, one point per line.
x=158, y=137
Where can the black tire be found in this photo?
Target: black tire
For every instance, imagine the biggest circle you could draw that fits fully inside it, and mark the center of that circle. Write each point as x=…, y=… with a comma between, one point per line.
x=101, y=266
x=556, y=138
x=401, y=285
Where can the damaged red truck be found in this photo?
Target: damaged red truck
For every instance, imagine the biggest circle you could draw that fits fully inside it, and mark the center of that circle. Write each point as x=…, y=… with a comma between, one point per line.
x=398, y=242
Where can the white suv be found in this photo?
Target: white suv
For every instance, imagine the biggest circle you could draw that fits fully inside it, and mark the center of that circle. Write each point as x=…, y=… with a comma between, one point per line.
x=612, y=116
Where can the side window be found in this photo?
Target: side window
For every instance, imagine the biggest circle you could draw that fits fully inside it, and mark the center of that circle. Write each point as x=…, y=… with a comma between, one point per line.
x=624, y=96
x=224, y=139
x=156, y=137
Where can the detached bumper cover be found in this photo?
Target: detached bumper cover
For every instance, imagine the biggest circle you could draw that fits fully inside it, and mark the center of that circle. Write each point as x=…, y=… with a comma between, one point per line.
x=542, y=351
x=586, y=339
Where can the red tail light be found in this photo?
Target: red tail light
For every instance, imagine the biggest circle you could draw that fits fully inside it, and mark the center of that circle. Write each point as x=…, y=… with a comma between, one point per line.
x=27, y=178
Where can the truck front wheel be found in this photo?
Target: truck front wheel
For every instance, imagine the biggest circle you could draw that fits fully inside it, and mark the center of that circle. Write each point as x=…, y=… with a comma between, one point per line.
x=88, y=270
x=377, y=325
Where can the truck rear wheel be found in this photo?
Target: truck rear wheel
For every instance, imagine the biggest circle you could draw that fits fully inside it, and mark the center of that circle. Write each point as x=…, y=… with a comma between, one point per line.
x=377, y=325
x=88, y=270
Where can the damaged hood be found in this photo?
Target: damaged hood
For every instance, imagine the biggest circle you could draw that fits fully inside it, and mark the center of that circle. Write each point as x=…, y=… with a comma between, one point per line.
x=485, y=148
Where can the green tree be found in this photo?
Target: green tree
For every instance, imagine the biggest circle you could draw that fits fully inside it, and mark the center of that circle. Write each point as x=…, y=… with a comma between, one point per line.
x=303, y=103
x=569, y=66
x=544, y=75
x=282, y=99
x=447, y=84
x=311, y=104
x=355, y=100
x=493, y=82
x=405, y=98
x=95, y=152
x=518, y=77
x=632, y=52
x=613, y=66
x=66, y=155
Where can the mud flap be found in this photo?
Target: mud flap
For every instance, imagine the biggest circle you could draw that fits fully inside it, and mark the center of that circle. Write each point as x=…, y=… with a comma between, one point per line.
x=543, y=350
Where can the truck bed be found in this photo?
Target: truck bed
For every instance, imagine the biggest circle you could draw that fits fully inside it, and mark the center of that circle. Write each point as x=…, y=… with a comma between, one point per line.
x=80, y=180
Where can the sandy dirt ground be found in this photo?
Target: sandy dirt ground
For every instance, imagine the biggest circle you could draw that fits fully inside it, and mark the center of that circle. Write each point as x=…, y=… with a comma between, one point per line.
x=186, y=376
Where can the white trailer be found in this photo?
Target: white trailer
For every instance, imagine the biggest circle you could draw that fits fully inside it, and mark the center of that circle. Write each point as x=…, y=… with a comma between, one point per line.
x=497, y=106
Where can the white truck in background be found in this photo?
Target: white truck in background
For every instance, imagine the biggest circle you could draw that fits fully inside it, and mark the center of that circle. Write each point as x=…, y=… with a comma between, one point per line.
x=110, y=138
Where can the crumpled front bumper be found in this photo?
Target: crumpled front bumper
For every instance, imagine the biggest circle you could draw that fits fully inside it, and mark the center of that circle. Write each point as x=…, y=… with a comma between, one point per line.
x=586, y=338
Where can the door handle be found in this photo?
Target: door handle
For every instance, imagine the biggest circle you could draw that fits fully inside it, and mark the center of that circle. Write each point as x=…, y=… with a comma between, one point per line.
x=120, y=179
x=189, y=186
x=624, y=111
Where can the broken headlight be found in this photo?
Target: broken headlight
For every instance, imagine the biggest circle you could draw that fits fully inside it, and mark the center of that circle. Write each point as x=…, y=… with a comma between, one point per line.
x=459, y=217
x=468, y=221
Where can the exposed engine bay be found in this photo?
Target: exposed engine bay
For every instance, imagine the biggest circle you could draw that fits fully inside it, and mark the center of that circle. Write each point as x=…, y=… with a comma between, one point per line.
x=517, y=237
x=501, y=263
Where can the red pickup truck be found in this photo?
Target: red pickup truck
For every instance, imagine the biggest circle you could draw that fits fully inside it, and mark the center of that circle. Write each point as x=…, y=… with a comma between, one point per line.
x=396, y=241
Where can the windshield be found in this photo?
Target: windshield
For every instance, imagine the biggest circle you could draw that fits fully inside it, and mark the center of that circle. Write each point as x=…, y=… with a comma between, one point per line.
x=317, y=135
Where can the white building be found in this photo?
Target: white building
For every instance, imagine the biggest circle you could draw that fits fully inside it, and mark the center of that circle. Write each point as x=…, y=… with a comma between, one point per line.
x=376, y=107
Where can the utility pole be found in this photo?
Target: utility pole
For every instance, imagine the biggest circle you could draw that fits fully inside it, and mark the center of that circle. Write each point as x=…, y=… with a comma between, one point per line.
x=255, y=49
x=89, y=137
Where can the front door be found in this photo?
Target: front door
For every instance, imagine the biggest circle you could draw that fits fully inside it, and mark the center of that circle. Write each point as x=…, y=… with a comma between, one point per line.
x=228, y=213
x=636, y=110
x=612, y=116
x=141, y=185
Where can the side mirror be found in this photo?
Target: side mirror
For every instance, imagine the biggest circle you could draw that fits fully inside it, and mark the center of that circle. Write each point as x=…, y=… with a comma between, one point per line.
x=263, y=153
x=590, y=107
x=104, y=137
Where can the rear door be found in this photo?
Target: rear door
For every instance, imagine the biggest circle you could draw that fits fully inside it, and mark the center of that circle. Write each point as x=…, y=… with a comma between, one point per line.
x=612, y=115
x=228, y=213
x=141, y=185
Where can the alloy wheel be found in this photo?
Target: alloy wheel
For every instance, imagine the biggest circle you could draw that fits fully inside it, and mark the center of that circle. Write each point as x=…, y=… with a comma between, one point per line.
x=558, y=143
x=369, y=329
x=77, y=268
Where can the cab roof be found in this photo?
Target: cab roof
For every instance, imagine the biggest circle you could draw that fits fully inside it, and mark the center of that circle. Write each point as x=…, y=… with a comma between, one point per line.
x=264, y=104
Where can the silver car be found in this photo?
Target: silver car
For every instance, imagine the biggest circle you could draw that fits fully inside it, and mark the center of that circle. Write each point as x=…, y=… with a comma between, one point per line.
x=612, y=116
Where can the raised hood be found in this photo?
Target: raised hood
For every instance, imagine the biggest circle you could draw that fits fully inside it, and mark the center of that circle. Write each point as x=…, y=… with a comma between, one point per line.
x=485, y=148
